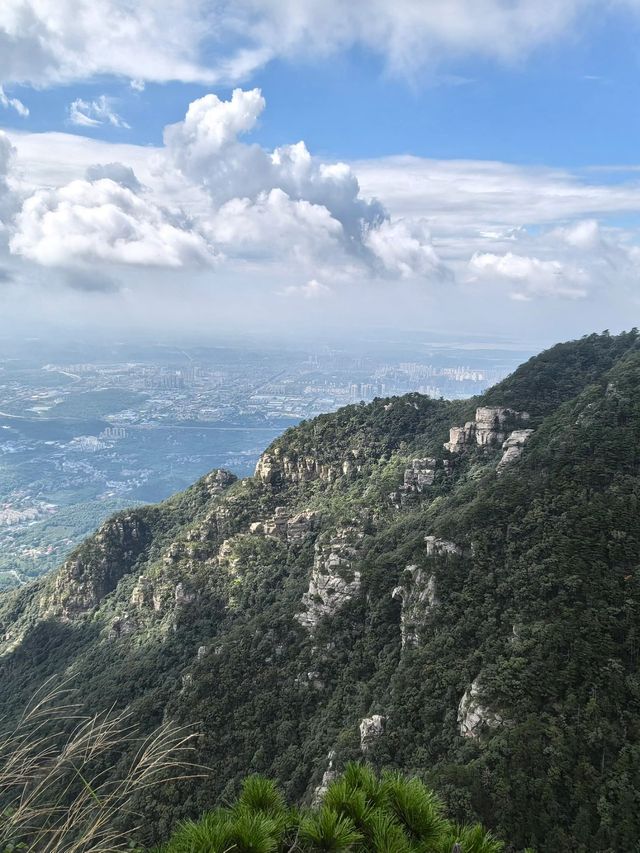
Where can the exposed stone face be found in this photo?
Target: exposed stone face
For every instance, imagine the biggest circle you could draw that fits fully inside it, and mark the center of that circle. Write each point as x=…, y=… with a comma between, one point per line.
x=417, y=592
x=267, y=470
x=329, y=776
x=488, y=429
x=371, y=728
x=512, y=446
x=420, y=473
x=218, y=481
x=122, y=627
x=333, y=580
x=96, y=568
x=274, y=468
x=142, y=594
x=473, y=716
x=202, y=650
x=183, y=595
x=437, y=547
x=418, y=476
x=460, y=437
x=489, y=422
x=294, y=529
x=300, y=526
x=311, y=679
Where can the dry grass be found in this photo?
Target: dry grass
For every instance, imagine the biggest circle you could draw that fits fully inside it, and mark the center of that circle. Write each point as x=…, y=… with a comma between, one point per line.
x=57, y=785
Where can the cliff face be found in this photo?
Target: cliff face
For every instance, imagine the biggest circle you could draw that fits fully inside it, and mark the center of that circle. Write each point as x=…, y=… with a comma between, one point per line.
x=96, y=568
x=464, y=608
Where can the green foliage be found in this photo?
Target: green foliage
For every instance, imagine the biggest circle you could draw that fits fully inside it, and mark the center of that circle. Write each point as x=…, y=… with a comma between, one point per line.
x=540, y=606
x=326, y=830
x=360, y=813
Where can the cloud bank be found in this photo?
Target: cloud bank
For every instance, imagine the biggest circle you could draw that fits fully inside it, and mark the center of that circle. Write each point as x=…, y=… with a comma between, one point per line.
x=213, y=219
x=45, y=42
x=278, y=206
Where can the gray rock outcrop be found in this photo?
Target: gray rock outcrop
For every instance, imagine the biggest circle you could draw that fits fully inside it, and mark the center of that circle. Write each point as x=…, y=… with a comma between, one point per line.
x=473, y=716
x=489, y=428
x=371, y=728
x=183, y=595
x=333, y=580
x=294, y=529
x=273, y=467
x=417, y=593
x=329, y=776
x=96, y=567
x=461, y=437
x=418, y=476
x=142, y=593
x=513, y=445
x=437, y=547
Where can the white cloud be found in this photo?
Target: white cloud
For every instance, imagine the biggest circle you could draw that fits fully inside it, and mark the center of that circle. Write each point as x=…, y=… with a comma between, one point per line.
x=275, y=225
x=470, y=196
x=118, y=172
x=285, y=216
x=87, y=221
x=312, y=289
x=7, y=198
x=45, y=42
x=585, y=234
x=286, y=199
x=13, y=104
x=95, y=113
x=531, y=276
x=404, y=248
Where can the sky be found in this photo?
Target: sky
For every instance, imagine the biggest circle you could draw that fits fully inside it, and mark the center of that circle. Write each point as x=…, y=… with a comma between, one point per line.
x=297, y=167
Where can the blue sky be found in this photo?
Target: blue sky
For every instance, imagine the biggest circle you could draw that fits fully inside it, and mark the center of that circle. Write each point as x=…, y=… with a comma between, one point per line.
x=570, y=103
x=474, y=152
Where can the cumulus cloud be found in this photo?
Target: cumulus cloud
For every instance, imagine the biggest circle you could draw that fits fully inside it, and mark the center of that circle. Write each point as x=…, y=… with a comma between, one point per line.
x=117, y=172
x=265, y=199
x=13, y=104
x=531, y=276
x=95, y=113
x=101, y=220
x=585, y=234
x=404, y=247
x=275, y=225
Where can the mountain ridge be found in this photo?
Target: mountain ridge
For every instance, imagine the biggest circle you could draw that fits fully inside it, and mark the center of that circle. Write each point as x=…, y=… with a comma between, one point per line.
x=369, y=593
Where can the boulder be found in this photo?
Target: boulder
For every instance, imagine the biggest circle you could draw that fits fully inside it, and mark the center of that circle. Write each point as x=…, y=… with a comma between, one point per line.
x=371, y=728
x=473, y=716
x=513, y=445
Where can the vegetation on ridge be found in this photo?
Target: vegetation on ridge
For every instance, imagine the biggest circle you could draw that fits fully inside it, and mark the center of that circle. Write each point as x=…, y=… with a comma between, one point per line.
x=190, y=611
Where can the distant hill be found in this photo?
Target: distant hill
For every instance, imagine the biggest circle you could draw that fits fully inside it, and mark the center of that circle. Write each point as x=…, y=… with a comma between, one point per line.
x=450, y=589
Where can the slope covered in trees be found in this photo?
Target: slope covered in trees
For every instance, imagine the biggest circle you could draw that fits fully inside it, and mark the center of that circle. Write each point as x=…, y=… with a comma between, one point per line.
x=467, y=614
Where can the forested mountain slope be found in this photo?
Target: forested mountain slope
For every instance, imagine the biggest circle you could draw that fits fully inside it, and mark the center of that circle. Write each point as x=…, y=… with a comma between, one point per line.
x=459, y=603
